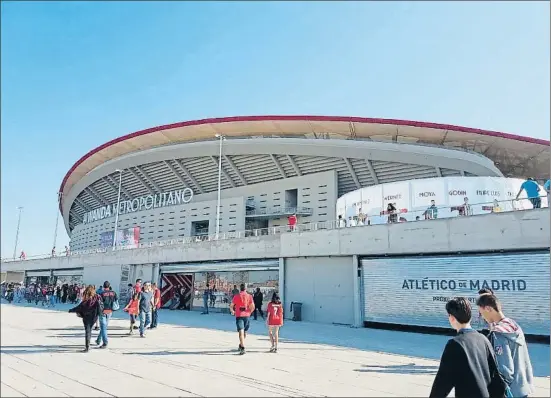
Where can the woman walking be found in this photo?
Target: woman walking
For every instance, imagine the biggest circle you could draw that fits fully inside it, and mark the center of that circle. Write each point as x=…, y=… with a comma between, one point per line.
x=89, y=310
x=274, y=320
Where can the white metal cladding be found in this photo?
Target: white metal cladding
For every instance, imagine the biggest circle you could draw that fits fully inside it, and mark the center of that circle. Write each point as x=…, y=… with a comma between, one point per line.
x=414, y=290
x=260, y=265
x=68, y=272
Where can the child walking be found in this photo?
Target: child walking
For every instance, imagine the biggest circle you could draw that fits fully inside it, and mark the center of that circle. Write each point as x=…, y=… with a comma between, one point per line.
x=133, y=309
x=274, y=320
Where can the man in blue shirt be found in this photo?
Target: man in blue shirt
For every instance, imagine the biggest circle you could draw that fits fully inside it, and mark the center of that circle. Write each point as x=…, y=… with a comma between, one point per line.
x=532, y=192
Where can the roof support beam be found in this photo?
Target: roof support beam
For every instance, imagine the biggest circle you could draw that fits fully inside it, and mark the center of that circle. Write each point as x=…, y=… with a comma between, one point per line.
x=438, y=171
x=295, y=167
x=189, y=176
x=115, y=186
x=352, y=172
x=149, y=179
x=224, y=173
x=278, y=165
x=444, y=138
x=83, y=205
x=352, y=130
x=372, y=171
x=101, y=200
x=235, y=169
x=175, y=172
x=140, y=179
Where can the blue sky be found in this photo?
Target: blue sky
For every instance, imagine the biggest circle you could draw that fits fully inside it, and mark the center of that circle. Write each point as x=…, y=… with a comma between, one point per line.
x=77, y=74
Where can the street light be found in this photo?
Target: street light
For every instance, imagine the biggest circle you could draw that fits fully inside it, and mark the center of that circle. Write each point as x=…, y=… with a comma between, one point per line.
x=117, y=211
x=59, y=194
x=17, y=231
x=222, y=138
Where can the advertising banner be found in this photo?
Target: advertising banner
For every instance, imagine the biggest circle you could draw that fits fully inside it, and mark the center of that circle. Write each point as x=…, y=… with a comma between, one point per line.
x=421, y=286
x=413, y=197
x=128, y=238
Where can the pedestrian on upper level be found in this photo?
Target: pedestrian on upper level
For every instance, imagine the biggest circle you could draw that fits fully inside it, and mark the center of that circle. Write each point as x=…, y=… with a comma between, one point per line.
x=532, y=190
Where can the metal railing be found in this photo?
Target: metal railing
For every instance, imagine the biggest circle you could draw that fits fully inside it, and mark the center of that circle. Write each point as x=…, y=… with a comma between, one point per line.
x=382, y=217
x=280, y=211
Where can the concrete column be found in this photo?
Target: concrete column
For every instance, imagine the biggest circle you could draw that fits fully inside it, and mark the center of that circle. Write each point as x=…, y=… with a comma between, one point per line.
x=282, y=280
x=155, y=273
x=357, y=293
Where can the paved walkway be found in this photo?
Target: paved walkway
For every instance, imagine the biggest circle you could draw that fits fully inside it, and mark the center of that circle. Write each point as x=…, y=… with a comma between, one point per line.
x=194, y=355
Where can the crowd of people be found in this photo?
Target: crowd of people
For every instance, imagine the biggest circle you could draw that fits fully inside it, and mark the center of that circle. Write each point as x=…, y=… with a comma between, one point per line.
x=48, y=295
x=492, y=362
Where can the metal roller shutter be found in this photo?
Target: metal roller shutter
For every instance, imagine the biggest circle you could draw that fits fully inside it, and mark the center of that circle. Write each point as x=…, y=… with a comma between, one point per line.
x=38, y=273
x=68, y=272
x=260, y=265
x=414, y=290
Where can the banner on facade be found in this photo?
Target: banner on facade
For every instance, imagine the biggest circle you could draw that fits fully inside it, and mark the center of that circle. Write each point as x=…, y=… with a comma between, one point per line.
x=128, y=238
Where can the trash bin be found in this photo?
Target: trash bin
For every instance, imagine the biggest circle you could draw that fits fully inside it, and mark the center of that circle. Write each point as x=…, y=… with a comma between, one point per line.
x=296, y=309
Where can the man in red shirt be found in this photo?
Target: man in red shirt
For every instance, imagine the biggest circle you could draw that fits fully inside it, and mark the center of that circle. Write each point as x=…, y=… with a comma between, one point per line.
x=156, y=306
x=242, y=306
x=292, y=222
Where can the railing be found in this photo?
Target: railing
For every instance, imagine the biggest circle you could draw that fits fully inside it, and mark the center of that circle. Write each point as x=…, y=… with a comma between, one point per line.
x=280, y=211
x=443, y=212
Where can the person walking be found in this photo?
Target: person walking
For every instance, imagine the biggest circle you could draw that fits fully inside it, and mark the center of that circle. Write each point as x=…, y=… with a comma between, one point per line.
x=242, y=306
x=532, y=190
x=468, y=362
x=206, y=298
x=146, y=303
x=156, y=306
x=258, y=298
x=98, y=292
x=109, y=298
x=133, y=309
x=274, y=320
x=509, y=343
x=89, y=309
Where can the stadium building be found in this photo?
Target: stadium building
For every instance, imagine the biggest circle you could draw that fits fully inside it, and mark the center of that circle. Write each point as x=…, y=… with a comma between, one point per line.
x=271, y=167
x=160, y=188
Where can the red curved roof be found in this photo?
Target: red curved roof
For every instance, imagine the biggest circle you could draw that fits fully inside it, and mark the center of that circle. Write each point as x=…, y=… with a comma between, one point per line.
x=276, y=118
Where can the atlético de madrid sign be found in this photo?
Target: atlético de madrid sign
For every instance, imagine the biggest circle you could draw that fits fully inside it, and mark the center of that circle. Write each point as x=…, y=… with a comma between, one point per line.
x=147, y=202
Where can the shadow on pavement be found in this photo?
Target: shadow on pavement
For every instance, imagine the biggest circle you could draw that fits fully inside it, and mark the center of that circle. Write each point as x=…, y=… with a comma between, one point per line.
x=37, y=349
x=64, y=335
x=408, y=369
x=331, y=336
x=163, y=353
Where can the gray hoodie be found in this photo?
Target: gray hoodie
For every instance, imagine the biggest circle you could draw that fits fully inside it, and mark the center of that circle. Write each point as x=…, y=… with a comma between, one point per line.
x=512, y=356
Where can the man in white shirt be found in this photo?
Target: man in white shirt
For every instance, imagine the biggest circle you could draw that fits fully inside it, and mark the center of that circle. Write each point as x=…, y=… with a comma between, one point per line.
x=351, y=221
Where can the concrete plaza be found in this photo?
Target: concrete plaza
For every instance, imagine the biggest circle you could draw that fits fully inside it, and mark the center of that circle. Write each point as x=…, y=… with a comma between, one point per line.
x=195, y=355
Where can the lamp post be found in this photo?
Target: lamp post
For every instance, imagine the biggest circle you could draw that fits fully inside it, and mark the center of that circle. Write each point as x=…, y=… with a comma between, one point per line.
x=20, y=208
x=57, y=218
x=221, y=138
x=117, y=211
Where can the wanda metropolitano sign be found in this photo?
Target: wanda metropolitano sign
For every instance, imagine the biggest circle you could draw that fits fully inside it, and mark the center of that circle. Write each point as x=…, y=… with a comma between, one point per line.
x=171, y=198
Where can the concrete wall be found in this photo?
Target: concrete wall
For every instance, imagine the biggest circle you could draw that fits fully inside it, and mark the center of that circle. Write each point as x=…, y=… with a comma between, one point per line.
x=500, y=231
x=96, y=275
x=316, y=191
x=325, y=287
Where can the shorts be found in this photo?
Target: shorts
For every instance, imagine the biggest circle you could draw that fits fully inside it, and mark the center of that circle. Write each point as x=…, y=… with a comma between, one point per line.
x=536, y=202
x=273, y=328
x=242, y=323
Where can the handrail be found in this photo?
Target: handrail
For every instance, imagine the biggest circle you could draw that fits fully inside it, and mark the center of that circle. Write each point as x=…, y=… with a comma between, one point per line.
x=402, y=215
x=280, y=211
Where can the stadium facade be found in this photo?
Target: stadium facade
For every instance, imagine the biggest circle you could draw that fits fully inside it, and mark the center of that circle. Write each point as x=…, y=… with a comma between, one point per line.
x=318, y=168
x=271, y=167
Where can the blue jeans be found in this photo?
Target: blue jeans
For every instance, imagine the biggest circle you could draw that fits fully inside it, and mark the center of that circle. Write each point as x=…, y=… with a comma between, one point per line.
x=145, y=320
x=206, y=304
x=103, y=324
